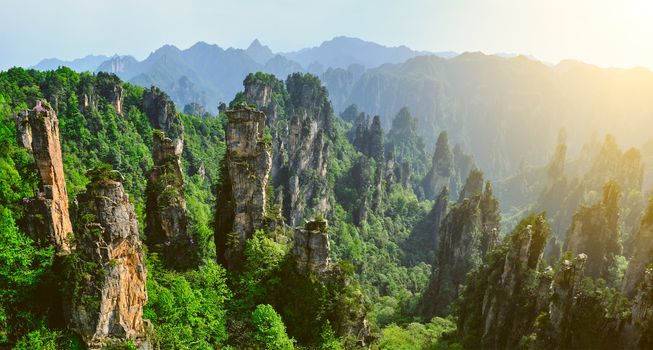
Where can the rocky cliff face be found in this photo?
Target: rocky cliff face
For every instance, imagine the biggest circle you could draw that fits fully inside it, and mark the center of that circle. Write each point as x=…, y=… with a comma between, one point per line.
x=594, y=231
x=162, y=113
x=299, y=118
x=166, y=229
x=307, y=148
x=638, y=333
x=311, y=248
x=506, y=313
x=424, y=239
x=53, y=196
x=260, y=90
x=473, y=185
x=105, y=86
x=442, y=171
x=241, y=199
x=106, y=274
x=311, y=254
x=23, y=130
x=611, y=163
x=638, y=284
x=437, y=215
x=465, y=232
x=368, y=138
x=642, y=254
x=403, y=175
x=166, y=219
x=565, y=286
x=362, y=178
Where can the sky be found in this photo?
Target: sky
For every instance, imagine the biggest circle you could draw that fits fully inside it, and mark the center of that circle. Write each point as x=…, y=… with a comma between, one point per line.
x=616, y=33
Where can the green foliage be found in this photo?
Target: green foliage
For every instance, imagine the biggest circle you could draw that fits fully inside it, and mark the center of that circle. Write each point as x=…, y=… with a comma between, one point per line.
x=418, y=336
x=22, y=269
x=188, y=310
x=405, y=140
x=329, y=340
x=269, y=330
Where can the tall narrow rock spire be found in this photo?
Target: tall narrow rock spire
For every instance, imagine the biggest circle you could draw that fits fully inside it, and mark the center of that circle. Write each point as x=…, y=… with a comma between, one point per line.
x=241, y=199
x=106, y=276
x=46, y=147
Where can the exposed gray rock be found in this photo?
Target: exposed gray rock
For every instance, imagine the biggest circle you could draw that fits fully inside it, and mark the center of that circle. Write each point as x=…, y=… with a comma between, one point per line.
x=46, y=148
x=107, y=272
x=242, y=196
x=311, y=248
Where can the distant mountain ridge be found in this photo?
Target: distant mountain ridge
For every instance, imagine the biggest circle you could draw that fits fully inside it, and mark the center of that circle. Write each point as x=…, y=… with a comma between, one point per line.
x=88, y=63
x=208, y=74
x=342, y=51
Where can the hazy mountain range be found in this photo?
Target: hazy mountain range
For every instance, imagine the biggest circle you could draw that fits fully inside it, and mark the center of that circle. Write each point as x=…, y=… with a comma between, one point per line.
x=208, y=74
x=503, y=108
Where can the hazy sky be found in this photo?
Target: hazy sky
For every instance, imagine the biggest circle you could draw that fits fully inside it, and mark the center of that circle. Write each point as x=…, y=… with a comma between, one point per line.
x=604, y=32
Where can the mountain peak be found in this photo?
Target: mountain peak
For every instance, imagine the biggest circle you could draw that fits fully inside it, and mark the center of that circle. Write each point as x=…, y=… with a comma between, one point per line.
x=256, y=44
x=259, y=52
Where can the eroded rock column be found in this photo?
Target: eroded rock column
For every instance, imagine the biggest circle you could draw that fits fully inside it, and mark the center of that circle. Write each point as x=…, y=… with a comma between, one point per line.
x=107, y=273
x=46, y=148
x=242, y=199
x=166, y=228
x=311, y=248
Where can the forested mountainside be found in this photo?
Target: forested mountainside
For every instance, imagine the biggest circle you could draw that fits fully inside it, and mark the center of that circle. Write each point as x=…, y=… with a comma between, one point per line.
x=505, y=111
x=279, y=223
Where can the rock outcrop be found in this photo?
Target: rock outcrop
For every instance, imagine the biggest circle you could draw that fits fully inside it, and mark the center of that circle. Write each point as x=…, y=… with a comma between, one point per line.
x=241, y=198
x=162, y=113
x=106, y=86
x=438, y=212
x=166, y=228
x=466, y=234
x=361, y=176
x=611, y=163
x=473, y=185
x=404, y=175
x=311, y=254
x=638, y=333
x=642, y=254
x=565, y=286
x=424, y=238
x=52, y=196
x=442, y=171
x=23, y=130
x=504, y=296
x=106, y=274
x=368, y=138
x=595, y=232
x=311, y=249
x=306, y=146
x=499, y=311
x=390, y=169
x=259, y=91
x=301, y=132
x=166, y=220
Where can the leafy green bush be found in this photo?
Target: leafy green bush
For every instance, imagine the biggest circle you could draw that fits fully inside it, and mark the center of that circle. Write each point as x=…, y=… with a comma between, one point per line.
x=188, y=310
x=269, y=329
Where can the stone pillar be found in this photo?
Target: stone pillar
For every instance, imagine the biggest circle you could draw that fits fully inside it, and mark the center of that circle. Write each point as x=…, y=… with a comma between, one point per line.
x=242, y=195
x=107, y=273
x=47, y=154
